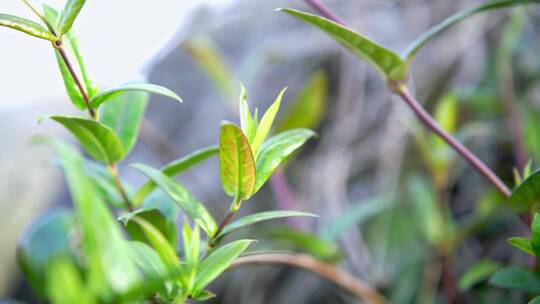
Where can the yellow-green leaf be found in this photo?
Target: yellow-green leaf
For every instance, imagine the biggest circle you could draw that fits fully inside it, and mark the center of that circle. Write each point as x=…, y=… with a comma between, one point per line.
x=266, y=123
x=110, y=94
x=26, y=26
x=236, y=163
x=382, y=59
x=69, y=14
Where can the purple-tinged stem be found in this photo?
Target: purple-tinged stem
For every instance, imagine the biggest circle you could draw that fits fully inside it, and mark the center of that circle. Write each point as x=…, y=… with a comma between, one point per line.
x=325, y=11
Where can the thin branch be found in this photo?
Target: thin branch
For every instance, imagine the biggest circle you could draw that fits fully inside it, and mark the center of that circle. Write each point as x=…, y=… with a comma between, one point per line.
x=328, y=271
x=425, y=118
x=65, y=58
x=325, y=11
x=114, y=172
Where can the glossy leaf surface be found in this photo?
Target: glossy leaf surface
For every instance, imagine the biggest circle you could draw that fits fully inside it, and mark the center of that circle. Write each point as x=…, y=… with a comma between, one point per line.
x=527, y=194
x=26, y=26
x=69, y=14
x=110, y=94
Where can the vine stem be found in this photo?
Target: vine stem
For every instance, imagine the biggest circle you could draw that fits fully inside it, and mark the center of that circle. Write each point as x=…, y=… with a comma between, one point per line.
x=427, y=120
x=328, y=271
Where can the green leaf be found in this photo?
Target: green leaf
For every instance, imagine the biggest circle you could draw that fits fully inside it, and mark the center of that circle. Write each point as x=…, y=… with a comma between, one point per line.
x=26, y=26
x=527, y=194
x=124, y=116
x=276, y=151
x=176, y=167
x=71, y=87
x=110, y=94
x=191, y=206
x=99, y=140
x=536, y=300
x=65, y=284
x=103, y=247
x=517, y=278
x=236, y=164
x=266, y=123
x=204, y=295
x=357, y=214
x=413, y=49
x=247, y=122
x=155, y=218
x=380, y=58
x=159, y=242
x=307, y=110
x=69, y=14
x=217, y=262
x=535, y=237
x=446, y=114
x=291, y=239
x=105, y=184
x=191, y=239
x=521, y=243
x=428, y=214
x=146, y=259
x=260, y=217
x=45, y=239
x=477, y=273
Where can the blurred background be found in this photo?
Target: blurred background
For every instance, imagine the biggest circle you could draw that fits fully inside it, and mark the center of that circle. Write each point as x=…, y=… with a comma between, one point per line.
x=387, y=191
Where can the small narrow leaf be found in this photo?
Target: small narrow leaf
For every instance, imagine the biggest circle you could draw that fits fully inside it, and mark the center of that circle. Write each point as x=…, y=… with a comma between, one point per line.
x=26, y=26
x=71, y=87
x=266, y=123
x=191, y=239
x=146, y=259
x=380, y=58
x=285, y=238
x=236, y=164
x=514, y=277
x=155, y=218
x=176, y=167
x=191, y=206
x=307, y=110
x=124, y=116
x=98, y=140
x=477, y=273
x=413, y=49
x=247, y=122
x=521, y=243
x=69, y=14
x=277, y=150
x=260, y=217
x=217, y=262
x=527, y=194
x=110, y=94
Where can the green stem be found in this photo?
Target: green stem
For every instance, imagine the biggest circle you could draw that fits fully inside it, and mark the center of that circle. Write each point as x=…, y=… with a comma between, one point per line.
x=114, y=172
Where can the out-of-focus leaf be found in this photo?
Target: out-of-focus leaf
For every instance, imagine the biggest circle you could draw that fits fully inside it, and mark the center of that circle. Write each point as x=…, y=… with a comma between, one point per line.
x=159, y=242
x=532, y=129
x=521, y=243
x=266, y=123
x=105, y=185
x=535, y=234
x=380, y=58
x=102, y=244
x=517, y=278
x=204, y=295
x=69, y=14
x=260, y=217
x=276, y=151
x=26, y=26
x=527, y=194
x=176, y=167
x=411, y=51
x=479, y=272
x=305, y=242
x=536, y=300
x=247, y=122
x=110, y=94
x=46, y=238
x=209, y=59
x=155, y=218
x=217, y=262
x=124, y=116
x=99, y=140
x=356, y=215
x=236, y=163
x=446, y=115
x=428, y=211
x=161, y=201
x=191, y=206
x=191, y=239
x=65, y=284
x=146, y=259
x=307, y=109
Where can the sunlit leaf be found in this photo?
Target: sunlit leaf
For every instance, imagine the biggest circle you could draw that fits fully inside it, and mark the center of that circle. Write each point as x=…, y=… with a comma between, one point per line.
x=110, y=94
x=247, y=122
x=191, y=239
x=191, y=206
x=65, y=284
x=176, y=167
x=527, y=194
x=236, y=163
x=155, y=218
x=411, y=51
x=478, y=272
x=98, y=140
x=307, y=110
x=146, y=259
x=277, y=150
x=69, y=14
x=266, y=123
x=217, y=262
x=380, y=58
x=260, y=217
x=517, y=278
x=26, y=26
x=523, y=244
